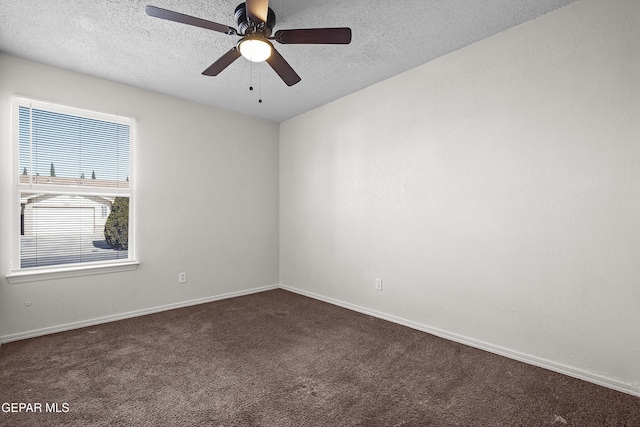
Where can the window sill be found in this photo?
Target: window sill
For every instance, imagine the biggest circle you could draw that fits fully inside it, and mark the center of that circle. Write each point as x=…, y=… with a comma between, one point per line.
x=24, y=276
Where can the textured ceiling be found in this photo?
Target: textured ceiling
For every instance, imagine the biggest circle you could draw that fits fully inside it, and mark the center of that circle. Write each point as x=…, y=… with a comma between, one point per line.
x=116, y=40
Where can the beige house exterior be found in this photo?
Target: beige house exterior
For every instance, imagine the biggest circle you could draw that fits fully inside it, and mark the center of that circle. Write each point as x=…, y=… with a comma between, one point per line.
x=46, y=214
x=62, y=214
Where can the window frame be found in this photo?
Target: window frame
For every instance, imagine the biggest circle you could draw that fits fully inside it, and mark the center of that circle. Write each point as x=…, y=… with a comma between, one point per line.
x=19, y=274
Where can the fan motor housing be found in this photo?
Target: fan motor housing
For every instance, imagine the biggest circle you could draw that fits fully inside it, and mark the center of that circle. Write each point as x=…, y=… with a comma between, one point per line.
x=246, y=27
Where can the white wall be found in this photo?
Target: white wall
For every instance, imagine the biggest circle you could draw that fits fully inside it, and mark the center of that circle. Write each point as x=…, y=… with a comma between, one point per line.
x=495, y=190
x=206, y=203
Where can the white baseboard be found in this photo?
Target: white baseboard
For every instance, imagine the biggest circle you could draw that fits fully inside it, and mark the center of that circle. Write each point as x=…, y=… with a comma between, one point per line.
x=612, y=383
x=121, y=316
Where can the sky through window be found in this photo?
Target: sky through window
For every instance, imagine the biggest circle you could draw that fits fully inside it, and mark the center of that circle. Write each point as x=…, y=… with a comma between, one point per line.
x=77, y=147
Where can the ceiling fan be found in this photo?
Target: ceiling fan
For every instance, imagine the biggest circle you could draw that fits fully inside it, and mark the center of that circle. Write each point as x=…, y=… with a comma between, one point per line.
x=255, y=21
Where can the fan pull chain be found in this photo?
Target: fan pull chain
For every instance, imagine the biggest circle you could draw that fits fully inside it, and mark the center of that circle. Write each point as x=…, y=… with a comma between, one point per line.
x=259, y=80
x=250, y=75
x=260, y=83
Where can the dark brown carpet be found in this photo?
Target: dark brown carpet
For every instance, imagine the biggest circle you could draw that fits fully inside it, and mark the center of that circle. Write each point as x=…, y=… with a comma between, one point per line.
x=281, y=359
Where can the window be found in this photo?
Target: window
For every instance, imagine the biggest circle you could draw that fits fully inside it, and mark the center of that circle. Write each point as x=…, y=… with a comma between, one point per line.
x=73, y=190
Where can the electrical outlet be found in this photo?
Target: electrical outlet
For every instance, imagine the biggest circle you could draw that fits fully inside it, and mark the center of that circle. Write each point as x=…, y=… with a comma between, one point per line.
x=378, y=284
x=182, y=277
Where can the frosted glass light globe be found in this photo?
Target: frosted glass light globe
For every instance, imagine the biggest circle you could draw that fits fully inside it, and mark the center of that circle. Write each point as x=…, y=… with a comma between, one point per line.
x=255, y=50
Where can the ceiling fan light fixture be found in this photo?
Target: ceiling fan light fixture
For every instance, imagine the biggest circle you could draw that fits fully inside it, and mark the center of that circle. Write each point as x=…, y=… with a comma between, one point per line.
x=255, y=49
x=256, y=21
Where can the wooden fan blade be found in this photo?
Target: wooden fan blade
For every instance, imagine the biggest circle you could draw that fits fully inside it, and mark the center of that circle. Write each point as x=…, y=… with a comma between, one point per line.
x=314, y=36
x=257, y=10
x=223, y=62
x=282, y=68
x=169, y=15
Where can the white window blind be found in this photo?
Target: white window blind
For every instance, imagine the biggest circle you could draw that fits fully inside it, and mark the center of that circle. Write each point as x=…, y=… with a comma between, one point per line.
x=73, y=186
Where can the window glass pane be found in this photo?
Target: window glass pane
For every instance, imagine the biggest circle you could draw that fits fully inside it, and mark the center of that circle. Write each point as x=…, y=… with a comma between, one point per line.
x=71, y=228
x=62, y=149
x=24, y=141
